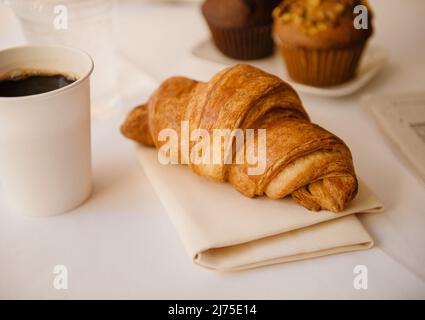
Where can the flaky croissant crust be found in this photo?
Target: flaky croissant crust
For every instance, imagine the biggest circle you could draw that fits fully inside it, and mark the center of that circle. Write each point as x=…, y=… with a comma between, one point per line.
x=303, y=160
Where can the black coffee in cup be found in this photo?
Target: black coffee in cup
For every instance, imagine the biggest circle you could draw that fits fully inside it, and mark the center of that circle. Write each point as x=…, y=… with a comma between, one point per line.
x=33, y=83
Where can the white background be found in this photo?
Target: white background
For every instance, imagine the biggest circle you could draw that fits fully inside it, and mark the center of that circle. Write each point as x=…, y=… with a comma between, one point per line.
x=120, y=244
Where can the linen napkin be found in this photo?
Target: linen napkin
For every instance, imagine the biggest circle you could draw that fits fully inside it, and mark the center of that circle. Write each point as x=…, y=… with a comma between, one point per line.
x=224, y=230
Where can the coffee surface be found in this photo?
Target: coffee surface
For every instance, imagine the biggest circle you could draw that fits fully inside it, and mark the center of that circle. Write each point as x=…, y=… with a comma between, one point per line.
x=33, y=84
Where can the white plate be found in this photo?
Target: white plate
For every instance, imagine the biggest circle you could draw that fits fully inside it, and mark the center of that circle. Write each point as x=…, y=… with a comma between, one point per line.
x=373, y=61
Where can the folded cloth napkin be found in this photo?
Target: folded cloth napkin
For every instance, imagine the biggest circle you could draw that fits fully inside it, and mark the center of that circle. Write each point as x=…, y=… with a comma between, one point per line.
x=223, y=230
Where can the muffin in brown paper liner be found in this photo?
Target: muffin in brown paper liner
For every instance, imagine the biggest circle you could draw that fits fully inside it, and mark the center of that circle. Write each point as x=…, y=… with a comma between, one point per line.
x=241, y=29
x=318, y=41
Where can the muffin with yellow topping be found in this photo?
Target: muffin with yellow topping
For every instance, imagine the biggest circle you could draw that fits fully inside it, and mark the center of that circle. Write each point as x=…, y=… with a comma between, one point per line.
x=319, y=41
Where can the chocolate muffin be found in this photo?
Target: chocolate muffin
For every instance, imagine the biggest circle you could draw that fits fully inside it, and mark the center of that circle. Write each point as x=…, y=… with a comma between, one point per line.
x=241, y=29
x=318, y=40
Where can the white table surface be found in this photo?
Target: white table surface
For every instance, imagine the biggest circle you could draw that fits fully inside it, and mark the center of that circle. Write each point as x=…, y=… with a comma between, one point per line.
x=121, y=244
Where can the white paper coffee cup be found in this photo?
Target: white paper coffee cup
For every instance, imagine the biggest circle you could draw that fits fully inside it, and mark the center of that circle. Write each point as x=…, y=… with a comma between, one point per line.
x=45, y=148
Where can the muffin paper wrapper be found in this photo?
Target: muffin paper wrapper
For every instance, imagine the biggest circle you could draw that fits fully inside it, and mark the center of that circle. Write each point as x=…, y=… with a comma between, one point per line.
x=322, y=67
x=243, y=43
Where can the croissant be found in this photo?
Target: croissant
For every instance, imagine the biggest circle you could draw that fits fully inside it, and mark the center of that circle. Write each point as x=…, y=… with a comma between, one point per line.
x=303, y=160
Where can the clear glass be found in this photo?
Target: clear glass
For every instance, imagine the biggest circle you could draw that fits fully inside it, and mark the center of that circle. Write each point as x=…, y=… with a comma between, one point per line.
x=84, y=24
